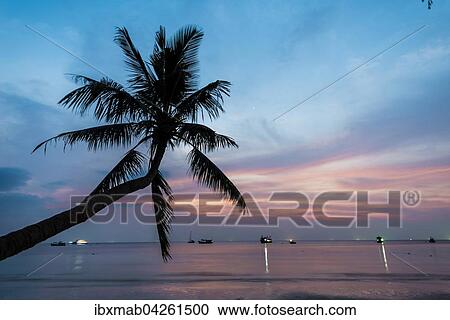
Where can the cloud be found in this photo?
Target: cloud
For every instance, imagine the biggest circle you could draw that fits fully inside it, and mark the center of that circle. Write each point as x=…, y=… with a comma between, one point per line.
x=13, y=178
x=55, y=184
x=27, y=123
x=18, y=210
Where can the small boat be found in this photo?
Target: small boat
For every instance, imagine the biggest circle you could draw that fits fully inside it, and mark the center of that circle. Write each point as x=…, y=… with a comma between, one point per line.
x=80, y=242
x=205, y=241
x=266, y=239
x=190, y=238
x=292, y=241
x=380, y=239
x=431, y=240
x=58, y=244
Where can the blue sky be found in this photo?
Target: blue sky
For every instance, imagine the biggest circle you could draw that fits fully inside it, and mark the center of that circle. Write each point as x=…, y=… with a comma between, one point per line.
x=386, y=122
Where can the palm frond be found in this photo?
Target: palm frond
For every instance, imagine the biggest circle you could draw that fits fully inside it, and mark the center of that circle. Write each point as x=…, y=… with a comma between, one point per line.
x=204, y=138
x=160, y=40
x=100, y=137
x=209, y=175
x=163, y=213
x=185, y=44
x=157, y=57
x=142, y=77
x=163, y=185
x=131, y=165
x=111, y=101
x=175, y=62
x=208, y=99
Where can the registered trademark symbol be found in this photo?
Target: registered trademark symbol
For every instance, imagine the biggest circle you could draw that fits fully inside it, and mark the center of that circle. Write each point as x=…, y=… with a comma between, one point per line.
x=411, y=198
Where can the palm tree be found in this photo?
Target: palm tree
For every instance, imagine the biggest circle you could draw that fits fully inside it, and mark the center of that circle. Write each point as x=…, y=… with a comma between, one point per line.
x=158, y=110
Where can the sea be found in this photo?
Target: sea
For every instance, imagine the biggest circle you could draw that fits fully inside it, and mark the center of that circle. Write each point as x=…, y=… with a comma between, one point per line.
x=231, y=270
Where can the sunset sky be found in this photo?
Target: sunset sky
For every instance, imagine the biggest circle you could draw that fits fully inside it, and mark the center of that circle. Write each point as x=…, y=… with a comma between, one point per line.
x=384, y=127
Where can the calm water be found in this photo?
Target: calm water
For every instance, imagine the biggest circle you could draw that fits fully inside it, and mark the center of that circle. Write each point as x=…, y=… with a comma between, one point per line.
x=414, y=270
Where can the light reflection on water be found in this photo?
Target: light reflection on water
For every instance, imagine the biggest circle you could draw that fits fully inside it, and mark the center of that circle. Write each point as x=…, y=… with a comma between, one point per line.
x=266, y=258
x=383, y=254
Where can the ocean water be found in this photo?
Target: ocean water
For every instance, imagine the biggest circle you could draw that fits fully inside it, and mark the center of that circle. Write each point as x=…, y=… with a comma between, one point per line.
x=307, y=270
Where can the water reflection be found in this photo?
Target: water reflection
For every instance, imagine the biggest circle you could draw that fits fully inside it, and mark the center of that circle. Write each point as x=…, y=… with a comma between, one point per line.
x=383, y=254
x=78, y=263
x=266, y=258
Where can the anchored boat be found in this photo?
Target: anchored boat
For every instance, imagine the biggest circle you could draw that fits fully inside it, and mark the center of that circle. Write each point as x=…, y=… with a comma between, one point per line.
x=265, y=239
x=205, y=241
x=58, y=244
x=79, y=242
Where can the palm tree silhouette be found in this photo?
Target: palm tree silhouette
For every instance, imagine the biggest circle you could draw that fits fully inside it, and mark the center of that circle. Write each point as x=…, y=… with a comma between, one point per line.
x=159, y=109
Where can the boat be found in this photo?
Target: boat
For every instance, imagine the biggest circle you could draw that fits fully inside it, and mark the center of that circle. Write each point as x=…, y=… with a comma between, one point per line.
x=205, y=241
x=58, y=244
x=292, y=241
x=79, y=242
x=380, y=239
x=265, y=239
x=190, y=238
x=431, y=240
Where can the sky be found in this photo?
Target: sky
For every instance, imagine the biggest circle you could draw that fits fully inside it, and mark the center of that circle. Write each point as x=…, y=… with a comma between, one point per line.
x=383, y=127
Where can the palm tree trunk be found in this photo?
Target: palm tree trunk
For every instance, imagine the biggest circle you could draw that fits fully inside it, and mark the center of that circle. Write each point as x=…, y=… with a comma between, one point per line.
x=25, y=238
